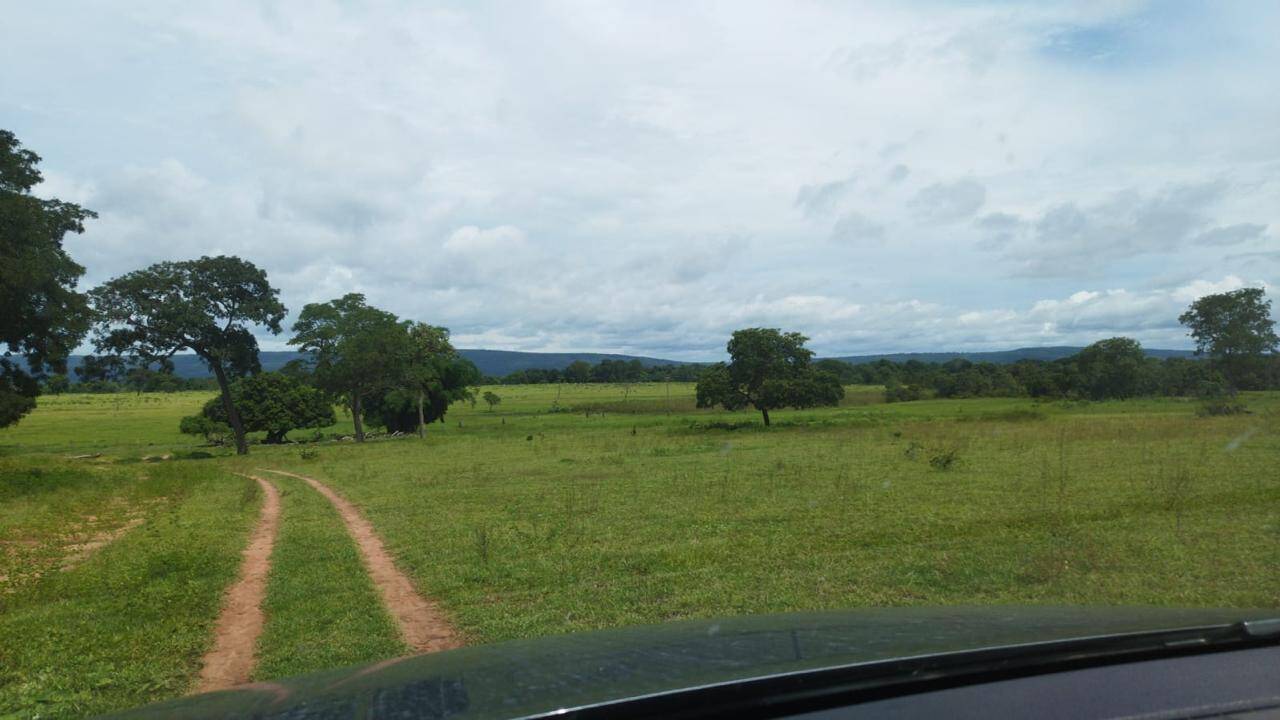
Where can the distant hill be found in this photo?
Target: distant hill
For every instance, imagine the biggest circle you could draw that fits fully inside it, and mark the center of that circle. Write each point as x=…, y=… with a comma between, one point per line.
x=490, y=362
x=503, y=362
x=1001, y=357
x=497, y=363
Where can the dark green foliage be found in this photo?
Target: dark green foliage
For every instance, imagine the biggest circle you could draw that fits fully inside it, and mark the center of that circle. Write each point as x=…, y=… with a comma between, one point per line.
x=42, y=317
x=396, y=410
x=579, y=371
x=213, y=431
x=434, y=373
x=768, y=369
x=274, y=403
x=944, y=459
x=607, y=371
x=491, y=399
x=895, y=391
x=1218, y=398
x=401, y=375
x=964, y=379
x=56, y=384
x=1111, y=368
x=357, y=351
x=1236, y=330
x=105, y=368
x=206, y=306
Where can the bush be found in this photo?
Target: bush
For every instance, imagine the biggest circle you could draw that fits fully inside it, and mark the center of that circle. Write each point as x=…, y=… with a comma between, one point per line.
x=274, y=403
x=214, y=432
x=943, y=460
x=1221, y=406
x=897, y=392
x=1217, y=398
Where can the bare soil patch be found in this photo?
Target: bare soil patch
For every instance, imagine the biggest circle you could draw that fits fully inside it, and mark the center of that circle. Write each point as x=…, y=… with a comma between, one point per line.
x=230, y=661
x=421, y=621
x=79, y=552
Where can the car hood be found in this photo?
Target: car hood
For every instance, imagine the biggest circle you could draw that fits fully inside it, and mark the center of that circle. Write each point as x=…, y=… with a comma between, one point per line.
x=536, y=676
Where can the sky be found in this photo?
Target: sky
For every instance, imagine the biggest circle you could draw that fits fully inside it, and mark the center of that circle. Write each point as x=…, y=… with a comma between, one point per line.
x=646, y=177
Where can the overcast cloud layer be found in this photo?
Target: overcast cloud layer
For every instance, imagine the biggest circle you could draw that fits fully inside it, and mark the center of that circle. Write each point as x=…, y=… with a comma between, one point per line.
x=648, y=177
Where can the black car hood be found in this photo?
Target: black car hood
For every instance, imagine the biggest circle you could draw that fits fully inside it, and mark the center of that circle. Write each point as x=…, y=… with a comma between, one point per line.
x=537, y=676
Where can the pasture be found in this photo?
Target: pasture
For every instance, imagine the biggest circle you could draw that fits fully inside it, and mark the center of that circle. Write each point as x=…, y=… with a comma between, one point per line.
x=575, y=507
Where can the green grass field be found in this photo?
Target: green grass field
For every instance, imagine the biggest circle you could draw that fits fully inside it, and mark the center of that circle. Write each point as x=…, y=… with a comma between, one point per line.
x=578, y=507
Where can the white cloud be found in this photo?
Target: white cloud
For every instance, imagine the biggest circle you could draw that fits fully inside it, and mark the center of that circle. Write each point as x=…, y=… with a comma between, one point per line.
x=1231, y=234
x=949, y=202
x=471, y=240
x=854, y=227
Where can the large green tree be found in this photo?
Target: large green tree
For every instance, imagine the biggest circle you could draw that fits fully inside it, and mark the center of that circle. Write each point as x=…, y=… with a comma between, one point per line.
x=42, y=317
x=397, y=408
x=1112, y=368
x=1236, y=330
x=274, y=403
x=206, y=306
x=767, y=369
x=357, y=350
x=427, y=365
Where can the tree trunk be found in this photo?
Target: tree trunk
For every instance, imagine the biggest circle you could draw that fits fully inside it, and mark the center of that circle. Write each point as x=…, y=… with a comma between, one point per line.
x=765, y=412
x=233, y=415
x=422, y=424
x=356, y=409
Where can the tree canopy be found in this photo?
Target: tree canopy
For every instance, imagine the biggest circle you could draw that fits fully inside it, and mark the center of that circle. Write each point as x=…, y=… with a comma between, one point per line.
x=356, y=350
x=274, y=403
x=1235, y=329
x=396, y=409
x=767, y=369
x=1112, y=368
x=42, y=317
x=426, y=364
x=206, y=306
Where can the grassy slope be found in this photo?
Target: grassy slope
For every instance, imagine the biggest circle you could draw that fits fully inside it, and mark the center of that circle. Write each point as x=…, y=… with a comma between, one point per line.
x=130, y=624
x=322, y=610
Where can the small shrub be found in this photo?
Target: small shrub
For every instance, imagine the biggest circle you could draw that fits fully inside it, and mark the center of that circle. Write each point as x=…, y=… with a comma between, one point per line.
x=1221, y=406
x=308, y=453
x=943, y=460
x=1218, y=398
x=213, y=431
x=896, y=392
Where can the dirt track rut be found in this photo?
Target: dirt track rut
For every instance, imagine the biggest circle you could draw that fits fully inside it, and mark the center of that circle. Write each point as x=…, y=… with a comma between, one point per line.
x=231, y=660
x=422, y=623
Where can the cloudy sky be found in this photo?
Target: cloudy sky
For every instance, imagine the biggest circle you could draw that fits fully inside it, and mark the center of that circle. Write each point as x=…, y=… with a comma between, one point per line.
x=646, y=177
